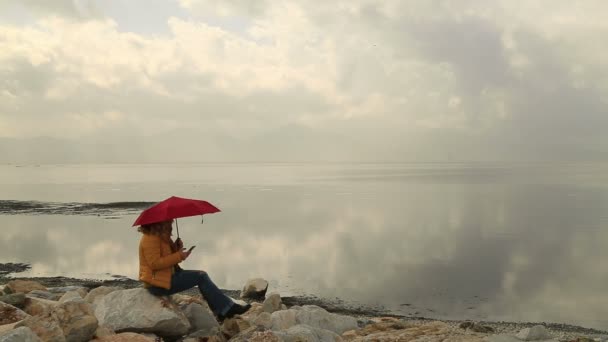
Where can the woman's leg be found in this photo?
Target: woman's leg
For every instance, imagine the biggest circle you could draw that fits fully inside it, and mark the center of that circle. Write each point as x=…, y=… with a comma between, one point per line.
x=217, y=300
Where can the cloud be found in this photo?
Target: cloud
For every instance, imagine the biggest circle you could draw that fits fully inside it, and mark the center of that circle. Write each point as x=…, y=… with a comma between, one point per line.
x=431, y=80
x=77, y=9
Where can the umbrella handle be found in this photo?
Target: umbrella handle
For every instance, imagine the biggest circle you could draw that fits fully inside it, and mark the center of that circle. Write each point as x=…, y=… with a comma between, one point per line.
x=177, y=227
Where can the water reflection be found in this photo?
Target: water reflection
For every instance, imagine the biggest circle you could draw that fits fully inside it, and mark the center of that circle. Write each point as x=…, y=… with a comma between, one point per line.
x=495, y=251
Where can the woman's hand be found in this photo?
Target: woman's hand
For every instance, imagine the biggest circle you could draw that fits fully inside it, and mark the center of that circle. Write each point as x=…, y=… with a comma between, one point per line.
x=179, y=244
x=184, y=253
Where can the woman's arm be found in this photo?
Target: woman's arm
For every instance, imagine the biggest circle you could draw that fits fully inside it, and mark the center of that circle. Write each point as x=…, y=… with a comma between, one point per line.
x=151, y=251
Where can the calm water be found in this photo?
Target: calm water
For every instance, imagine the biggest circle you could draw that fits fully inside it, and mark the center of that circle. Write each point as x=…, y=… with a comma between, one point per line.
x=522, y=242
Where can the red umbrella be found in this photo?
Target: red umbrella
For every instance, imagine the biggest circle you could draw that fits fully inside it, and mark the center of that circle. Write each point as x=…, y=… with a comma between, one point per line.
x=172, y=208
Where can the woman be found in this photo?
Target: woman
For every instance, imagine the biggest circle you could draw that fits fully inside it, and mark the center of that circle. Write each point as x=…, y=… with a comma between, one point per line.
x=159, y=257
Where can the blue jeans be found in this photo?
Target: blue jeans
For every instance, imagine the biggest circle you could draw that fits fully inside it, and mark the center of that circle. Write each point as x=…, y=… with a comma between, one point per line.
x=184, y=279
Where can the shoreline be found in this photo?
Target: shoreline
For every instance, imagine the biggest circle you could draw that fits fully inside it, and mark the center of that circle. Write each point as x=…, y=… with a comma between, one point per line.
x=561, y=331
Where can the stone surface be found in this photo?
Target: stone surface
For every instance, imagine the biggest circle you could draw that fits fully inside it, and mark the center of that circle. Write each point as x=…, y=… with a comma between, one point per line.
x=313, y=316
x=96, y=294
x=45, y=326
x=71, y=296
x=212, y=334
x=264, y=320
x=501, y=338
x=63, y=289
x=44, y=295
x=24, y=286
x=10, y=314
x=103, y=331
x=200, y=317
x=181, y=299
x=22, y=334
x=395, y=330
x=38, y=306
x=234, y=326
x=254, y=288
x=536, y=333
x=125, y=337
x=272, y=303
x=15, y=299
x=303, y=332
x=136, y=310
x=76, y=319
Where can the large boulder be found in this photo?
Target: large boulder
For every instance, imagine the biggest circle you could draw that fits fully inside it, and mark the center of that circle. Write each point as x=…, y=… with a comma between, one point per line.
x=22, y=334
x=76, y=319
x=302, y=332
x=136, y=310
x=24, y=286
x=15, y=299
x=255, y=288
x=10, y=314
x=200, y=317
x=96, y=294
x=313, y=316
x=38, y=306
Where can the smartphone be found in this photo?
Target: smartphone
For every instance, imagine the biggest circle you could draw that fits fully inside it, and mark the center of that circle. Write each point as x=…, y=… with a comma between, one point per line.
x=191, y=248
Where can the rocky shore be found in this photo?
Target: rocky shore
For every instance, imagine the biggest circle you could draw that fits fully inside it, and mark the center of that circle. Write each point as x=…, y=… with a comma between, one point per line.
x=67, y=309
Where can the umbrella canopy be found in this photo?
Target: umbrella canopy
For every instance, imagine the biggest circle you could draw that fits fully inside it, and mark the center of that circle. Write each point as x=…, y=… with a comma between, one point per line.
x=174, y=207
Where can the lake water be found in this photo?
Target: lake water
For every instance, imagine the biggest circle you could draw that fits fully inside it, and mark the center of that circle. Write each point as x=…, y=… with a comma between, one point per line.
x=517, y=242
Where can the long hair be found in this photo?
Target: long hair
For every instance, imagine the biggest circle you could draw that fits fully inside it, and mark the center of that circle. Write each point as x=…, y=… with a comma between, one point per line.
x=157, y=228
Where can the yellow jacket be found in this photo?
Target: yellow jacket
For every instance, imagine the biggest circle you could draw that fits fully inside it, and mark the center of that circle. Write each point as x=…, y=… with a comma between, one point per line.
x=156, y=261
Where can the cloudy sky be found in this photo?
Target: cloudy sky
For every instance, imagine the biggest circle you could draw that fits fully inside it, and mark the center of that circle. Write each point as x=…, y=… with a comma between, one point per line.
x=204, y=80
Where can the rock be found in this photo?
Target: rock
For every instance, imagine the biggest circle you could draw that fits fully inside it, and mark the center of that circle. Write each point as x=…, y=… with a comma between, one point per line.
x=180, y=299
x=212, y=334
x=501, y=338
x=10, y=314
x=45, y=326
x=427, y=332
x=61, y=290
x=255, y=288
x=264, y=320
x=96, y=294
x=44, y=295
x=253, y=334
x=378, y=325
x=71, y=296
x=24, y=286
x=126, y=337
x=536, y=333
x=76, y=319
x=15, y=299
x=200, y=317
x=38, y=306
x=272, y=303
x=22, y=334
x=303, y=332
x=136, y=310
x=103, y=331
x=283, y=307
x=234, y=326
x=7, y=327
x=313, y=316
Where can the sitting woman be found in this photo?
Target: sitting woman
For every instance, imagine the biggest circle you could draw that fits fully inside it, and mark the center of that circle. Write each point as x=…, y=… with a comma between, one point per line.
x=159, y=257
